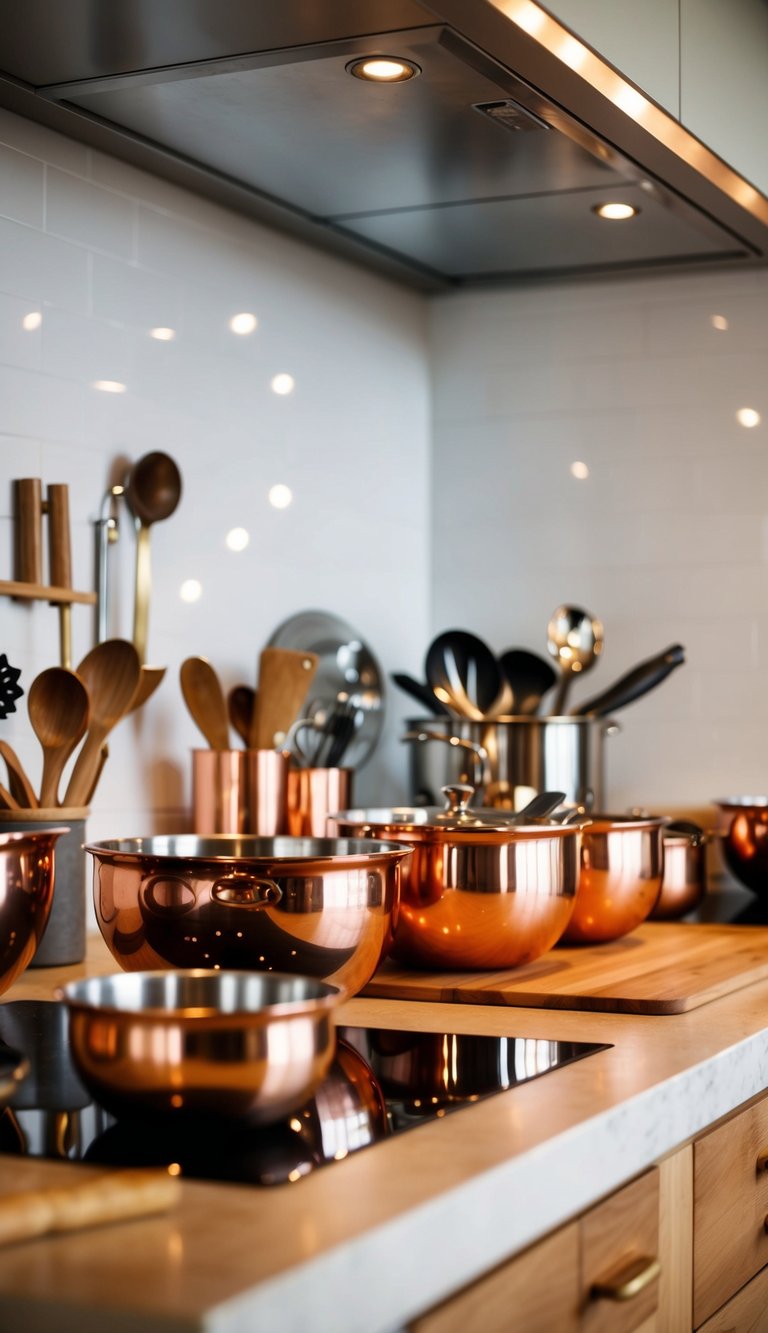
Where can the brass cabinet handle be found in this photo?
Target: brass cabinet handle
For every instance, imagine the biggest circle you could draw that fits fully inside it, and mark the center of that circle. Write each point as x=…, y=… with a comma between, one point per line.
x=762, y=1160
x=628, y=1282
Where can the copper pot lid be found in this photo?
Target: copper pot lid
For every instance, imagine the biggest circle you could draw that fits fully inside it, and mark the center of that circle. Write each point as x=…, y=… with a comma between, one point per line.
x=457, y=815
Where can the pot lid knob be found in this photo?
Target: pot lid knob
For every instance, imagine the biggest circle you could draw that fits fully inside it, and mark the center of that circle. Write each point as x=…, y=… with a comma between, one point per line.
x=457, y=797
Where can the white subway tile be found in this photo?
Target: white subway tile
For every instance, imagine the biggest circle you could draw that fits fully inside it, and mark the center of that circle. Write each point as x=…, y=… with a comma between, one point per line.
x=131, y=295
x=89, y=215
x=26, y=136
x=21, y=197
x=42, y=268
x=20, y=336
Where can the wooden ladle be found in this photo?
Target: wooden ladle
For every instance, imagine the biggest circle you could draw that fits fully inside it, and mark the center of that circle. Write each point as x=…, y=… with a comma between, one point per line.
x=111, y=671
x=59, y=709
x=152, y=492
x=204, y=698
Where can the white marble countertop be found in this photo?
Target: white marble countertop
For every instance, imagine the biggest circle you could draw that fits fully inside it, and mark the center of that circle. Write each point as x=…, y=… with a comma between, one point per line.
x=366, y=1244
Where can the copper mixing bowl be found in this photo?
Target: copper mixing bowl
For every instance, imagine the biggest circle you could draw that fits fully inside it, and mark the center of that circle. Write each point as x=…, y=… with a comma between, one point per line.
x=239, y=1044
x=26, y=897
x=479, y=891
x=622, y=863
x=745, y=843
x=319, y=907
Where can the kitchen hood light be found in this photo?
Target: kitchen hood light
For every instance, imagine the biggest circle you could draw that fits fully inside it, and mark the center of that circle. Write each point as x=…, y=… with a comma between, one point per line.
x=283, y=384
x=191, y=590
x=383, y=69
x=748, y=417
x=280, y=496
x=719, y=322
x=579, y=470
x=32, y=321
x=237, y=539
x=109, y=386
x=615, y=212
x=243, y=323
x=163, y=335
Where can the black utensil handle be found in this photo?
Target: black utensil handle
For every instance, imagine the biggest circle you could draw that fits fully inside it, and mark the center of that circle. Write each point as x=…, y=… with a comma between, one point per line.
x=421, y=692
x=634, y=684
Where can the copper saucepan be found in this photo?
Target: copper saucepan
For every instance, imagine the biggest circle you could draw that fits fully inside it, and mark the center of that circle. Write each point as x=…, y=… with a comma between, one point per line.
x=479, y=891
x=622, y=863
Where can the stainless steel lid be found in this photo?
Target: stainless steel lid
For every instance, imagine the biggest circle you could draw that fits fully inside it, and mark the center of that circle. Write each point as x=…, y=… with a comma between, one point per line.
x=456, y=815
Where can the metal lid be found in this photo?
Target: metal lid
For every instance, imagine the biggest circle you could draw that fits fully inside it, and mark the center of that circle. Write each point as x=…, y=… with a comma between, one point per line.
x=456, y=815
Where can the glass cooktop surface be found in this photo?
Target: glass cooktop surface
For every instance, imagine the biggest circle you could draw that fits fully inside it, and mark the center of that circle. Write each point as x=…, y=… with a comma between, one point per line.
x=382, y=1082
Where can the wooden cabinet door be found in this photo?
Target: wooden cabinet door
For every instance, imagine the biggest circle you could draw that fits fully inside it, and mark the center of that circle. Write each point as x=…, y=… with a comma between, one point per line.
x=730, y=1188
x=620, y=1259
x=537, y=1292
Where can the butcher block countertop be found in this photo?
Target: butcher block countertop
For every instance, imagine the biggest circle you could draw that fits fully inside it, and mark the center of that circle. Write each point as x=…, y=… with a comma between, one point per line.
x=365, y=1244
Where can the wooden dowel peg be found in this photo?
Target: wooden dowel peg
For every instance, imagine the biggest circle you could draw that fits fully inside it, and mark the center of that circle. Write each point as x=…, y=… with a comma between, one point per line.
x=28, y=526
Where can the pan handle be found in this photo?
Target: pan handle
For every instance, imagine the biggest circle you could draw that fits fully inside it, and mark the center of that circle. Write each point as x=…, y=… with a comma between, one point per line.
x=250, y=891
x=482, y=774
x=634, y=684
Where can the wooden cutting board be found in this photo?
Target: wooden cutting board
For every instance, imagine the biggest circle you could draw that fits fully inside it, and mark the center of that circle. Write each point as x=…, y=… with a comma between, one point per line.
x=661, y=968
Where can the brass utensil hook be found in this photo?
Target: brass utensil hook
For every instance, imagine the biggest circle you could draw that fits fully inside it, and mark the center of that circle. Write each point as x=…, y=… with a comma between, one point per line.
x=107, y=534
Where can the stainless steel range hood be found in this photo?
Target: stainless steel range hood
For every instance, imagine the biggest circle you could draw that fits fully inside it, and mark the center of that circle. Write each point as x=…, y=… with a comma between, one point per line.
x=486, y=167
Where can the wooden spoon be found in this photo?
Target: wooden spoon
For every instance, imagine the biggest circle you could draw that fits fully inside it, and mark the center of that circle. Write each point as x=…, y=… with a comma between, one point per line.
x=59, y=708
x=241, y=702
x=19, y=784
x=152, y=492
x=204, y=698
x=111, y=671
x=285, y=675
x=150, y=679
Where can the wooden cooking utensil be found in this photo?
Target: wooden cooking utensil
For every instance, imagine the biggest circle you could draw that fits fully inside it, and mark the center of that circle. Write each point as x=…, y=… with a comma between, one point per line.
x=59, y=708
x=241, y=702
x=111, y=671
x=60, y=562
x=285, y=675
x=20, y=786
x=112, y=1196
x=152, y=492
x=8, y=802
x=205, y=701
x=148, y=682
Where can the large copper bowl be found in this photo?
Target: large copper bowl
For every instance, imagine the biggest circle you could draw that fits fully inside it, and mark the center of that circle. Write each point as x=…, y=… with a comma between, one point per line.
x=478, y=891
x=26, y=897
x=622, y=864
x=745, y=842
x=319, y=907
x=236, y=1044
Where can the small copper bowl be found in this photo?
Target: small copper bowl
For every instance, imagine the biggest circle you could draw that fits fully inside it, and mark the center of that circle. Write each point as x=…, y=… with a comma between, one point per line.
x=622, y=862
x=685, y=871
x=238, y=1044
x=745, y=844
x=26, y=897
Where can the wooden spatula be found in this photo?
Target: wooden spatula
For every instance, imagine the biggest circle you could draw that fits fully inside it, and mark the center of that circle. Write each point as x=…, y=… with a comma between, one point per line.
x=285, y=675
x=111, y=671
x=204, y=698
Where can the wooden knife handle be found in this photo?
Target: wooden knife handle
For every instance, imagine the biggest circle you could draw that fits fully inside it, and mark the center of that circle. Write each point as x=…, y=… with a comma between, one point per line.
x=285, y=675
x=112, y=1197
x=28, y=544
x=59, y=542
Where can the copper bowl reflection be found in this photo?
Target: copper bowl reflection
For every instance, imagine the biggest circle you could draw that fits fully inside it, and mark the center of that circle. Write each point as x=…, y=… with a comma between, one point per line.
x=239, y=1044
x=26, y=897
x=318, y=907
x=622, y=862
x=745, y=843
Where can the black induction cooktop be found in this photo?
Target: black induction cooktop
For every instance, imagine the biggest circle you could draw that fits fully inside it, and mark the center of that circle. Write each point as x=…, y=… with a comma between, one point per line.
x=382, y=1082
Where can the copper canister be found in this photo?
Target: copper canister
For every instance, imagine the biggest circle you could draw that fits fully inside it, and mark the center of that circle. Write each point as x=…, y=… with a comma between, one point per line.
x=313, y=794
x=240, y=791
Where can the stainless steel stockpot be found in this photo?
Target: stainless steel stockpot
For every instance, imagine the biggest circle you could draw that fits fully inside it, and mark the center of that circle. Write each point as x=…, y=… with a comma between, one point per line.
x=479, y=891
x=320, y=907
x=508, y=760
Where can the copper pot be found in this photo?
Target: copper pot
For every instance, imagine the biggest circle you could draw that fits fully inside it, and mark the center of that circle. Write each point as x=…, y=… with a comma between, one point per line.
x=622, y=862
x=26, y=897
x=238, y=1044
x=479, y=890
x=685, y=871
x=321, y=907
x=745, y=844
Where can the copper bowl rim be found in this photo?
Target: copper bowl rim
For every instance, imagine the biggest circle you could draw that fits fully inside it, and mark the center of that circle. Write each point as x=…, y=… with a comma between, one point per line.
x=33, y=835
x=602, y=823
x=500, y=833
x=225, y=848
x=742, y=803
x=328, y=998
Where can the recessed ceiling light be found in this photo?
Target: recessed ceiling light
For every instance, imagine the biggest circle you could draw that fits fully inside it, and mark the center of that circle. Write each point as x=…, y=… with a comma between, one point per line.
x=163, y=335
x=719, y=322
x=615, y=212
x=243, y=323
x=32, y=321
x=237, y=539
x=280, y=496
x=109, y=386
x=383, y=69
x=283, y=383
x=191, y=590
x=747, y=416
x=579, y=470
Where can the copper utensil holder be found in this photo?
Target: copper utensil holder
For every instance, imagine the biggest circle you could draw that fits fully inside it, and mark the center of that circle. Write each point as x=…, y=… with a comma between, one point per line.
x=313, y=794
x=239, y=791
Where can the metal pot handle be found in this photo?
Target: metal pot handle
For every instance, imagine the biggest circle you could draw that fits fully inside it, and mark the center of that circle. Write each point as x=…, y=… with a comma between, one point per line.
x=249, y=891
x=479, y=753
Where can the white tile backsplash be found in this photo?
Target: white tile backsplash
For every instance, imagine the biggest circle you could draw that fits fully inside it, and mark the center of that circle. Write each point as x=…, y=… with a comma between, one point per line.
x=666, y=538
x=115, y=254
